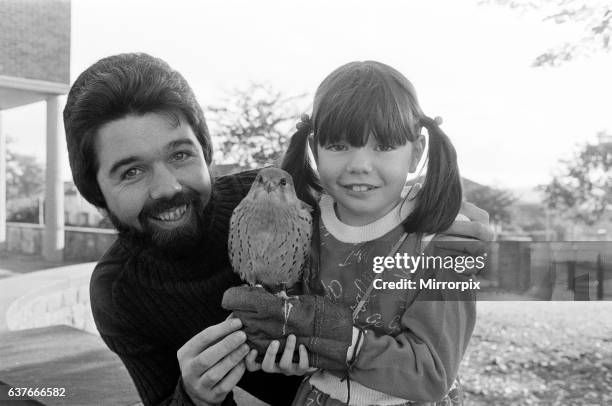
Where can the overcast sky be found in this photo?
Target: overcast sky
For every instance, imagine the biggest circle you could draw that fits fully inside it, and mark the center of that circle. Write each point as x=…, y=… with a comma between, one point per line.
x=470, y=64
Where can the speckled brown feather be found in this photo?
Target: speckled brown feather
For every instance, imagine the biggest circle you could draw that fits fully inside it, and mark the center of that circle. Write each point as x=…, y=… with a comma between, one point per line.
x=270, y=231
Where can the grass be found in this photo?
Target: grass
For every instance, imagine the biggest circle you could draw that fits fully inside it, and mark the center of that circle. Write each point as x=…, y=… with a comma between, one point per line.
x=540, y=353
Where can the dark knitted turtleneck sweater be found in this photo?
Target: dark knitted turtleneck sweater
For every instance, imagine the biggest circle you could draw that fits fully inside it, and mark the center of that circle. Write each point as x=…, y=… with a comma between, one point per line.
x=146, y=306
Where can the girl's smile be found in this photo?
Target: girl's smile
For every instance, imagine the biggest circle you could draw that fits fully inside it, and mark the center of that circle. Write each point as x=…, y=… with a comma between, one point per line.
x=359, y=187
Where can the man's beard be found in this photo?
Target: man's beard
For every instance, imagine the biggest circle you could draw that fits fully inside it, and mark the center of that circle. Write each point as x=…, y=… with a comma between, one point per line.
x=177, y=242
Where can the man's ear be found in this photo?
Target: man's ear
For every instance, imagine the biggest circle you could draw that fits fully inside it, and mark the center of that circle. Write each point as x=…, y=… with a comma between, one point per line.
x=212, y=168
x=418, y=147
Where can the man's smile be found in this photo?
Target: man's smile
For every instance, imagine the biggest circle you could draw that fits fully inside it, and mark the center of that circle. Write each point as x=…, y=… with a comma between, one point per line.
x=172, y=216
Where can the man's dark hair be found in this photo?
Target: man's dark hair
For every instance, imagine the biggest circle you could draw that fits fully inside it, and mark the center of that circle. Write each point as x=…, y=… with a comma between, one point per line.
x=113, y=88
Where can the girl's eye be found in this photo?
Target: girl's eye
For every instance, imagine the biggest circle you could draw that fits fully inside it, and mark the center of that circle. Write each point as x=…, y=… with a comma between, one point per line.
x=384, y=148
x=131, y=173
x=336, y=147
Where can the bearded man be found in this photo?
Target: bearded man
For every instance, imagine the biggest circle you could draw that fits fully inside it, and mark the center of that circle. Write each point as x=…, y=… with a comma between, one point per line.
x=140, y=150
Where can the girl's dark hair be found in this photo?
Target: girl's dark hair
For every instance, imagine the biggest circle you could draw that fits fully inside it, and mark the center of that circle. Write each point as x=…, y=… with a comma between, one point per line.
x=297, y=162
x=113, y=88
x=363, y=98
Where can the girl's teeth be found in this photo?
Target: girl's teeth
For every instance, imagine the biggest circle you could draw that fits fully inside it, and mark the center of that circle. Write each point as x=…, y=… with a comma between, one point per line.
x=359, y=188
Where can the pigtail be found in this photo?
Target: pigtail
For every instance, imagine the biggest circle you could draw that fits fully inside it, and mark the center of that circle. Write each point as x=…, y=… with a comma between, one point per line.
x=297, y=163
x=439, y=199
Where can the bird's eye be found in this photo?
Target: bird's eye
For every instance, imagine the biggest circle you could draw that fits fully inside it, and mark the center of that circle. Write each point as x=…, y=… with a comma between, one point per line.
x=283, y=181
x=259, y=179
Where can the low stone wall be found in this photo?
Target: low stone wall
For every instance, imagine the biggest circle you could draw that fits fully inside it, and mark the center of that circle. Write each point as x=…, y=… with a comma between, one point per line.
x=24, y=238
x=87, y=244
x=64, y=300
x=80, y=244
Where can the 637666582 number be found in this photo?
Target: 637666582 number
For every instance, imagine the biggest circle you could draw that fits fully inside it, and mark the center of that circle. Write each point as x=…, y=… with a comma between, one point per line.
x=36, y=392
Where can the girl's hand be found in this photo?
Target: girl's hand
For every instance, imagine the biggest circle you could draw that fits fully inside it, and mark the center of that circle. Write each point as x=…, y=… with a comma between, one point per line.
x=285, y=365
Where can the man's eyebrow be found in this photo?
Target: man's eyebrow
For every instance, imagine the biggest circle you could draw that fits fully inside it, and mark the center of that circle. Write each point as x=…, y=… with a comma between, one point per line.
x=177, y=143
x=122, y=162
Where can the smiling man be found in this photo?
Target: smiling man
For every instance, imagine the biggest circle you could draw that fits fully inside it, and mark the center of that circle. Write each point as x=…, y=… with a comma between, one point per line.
x=140, y=150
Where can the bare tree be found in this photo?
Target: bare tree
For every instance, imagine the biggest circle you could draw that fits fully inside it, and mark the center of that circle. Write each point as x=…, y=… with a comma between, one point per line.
x=496, y=202
x=593, y=17
x=252, y=125
x=25, y=176
x=582, y=190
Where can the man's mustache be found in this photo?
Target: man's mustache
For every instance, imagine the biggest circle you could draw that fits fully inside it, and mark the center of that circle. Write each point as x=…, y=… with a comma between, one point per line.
x=155, y=207
x=172, y=243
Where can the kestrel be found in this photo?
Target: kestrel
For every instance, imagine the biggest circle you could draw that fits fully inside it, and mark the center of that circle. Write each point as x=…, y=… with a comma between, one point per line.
x=270, y=231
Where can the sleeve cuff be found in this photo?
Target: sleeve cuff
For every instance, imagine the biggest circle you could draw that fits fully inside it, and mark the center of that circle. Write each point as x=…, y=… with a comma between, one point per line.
x=181, y=398
x=356, y=343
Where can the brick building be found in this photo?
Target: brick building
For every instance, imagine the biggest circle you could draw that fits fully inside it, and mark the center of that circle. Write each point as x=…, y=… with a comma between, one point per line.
x=35, y=67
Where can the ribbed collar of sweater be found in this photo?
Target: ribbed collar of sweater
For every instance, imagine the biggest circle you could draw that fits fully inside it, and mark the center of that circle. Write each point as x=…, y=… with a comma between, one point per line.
x=356, y=234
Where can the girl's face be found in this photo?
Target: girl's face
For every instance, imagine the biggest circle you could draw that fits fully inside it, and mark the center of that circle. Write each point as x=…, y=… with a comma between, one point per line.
x=366, y=182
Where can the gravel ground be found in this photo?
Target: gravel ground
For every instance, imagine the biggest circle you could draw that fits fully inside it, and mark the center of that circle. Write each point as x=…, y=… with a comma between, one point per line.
x=540, y=353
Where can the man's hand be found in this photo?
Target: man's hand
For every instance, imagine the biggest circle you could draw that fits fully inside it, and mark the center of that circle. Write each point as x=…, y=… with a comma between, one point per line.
x=212, y=362
x=477, y=227
x=465, y=237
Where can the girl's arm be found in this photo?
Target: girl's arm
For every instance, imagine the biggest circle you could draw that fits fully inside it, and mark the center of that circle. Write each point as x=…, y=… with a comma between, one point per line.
x=421, y=362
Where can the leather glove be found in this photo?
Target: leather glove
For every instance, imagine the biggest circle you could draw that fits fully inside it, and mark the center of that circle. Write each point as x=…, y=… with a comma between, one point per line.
x=325, y=328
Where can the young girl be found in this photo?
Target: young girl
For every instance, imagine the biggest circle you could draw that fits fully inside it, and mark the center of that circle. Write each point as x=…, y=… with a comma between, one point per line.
x=366, y=138
x=407, y=342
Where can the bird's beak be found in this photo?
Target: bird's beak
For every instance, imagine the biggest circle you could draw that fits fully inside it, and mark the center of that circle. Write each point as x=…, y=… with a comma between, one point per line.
x=269, y=187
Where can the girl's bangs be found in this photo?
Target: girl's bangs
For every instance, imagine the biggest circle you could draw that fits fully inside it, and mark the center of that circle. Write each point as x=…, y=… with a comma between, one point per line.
x=351, y=116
